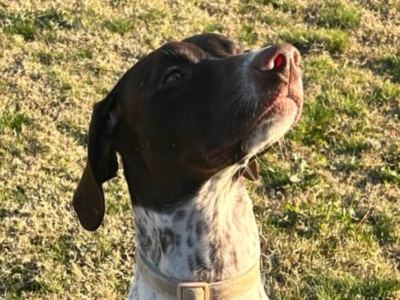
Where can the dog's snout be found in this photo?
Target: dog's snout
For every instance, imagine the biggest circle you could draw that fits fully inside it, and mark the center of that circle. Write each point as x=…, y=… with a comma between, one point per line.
x=277, y=58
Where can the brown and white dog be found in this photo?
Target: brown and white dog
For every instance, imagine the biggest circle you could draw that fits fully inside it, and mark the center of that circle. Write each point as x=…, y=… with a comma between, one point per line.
x=188, y=121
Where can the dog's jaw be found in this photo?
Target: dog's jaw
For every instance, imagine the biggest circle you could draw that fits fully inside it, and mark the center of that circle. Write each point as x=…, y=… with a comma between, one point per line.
x=271, y=129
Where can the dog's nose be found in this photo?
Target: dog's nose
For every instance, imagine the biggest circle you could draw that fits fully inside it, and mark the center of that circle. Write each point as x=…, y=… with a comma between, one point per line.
x=278, y=58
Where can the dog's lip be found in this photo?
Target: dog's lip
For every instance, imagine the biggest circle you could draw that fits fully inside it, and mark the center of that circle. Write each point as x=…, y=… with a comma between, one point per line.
x=262, y=117
x=224, y=154
x=233, y=150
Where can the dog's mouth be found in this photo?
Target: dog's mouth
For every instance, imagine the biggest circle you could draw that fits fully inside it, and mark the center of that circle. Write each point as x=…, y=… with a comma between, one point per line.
x=275, y=121
x=238, y=150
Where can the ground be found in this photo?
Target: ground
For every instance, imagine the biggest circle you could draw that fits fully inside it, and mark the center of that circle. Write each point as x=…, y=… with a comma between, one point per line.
x=328, y=195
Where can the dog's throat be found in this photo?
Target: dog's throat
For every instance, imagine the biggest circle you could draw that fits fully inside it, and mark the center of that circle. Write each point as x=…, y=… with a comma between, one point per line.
x=212, y=237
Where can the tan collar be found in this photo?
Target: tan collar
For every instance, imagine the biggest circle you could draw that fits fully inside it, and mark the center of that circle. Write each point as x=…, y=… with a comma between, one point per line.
x=173, y=289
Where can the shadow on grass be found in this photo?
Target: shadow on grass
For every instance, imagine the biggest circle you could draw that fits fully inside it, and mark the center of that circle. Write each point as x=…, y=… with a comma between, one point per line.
x=388, y=66
x=13, y=121
x=389, y=172
x=12, y=213
x=22, y=279
x=73, y=131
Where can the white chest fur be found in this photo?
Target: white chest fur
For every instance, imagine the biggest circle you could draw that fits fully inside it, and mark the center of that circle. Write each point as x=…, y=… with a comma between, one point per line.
x=213, y=237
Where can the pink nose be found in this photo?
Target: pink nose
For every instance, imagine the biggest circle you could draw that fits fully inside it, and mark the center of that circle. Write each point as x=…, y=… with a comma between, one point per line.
x=278, y=58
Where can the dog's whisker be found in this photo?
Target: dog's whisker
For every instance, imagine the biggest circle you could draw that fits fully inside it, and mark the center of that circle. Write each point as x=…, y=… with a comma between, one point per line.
x=274, y=148
x=261, y=162
x=280, y=148
x=283, y=148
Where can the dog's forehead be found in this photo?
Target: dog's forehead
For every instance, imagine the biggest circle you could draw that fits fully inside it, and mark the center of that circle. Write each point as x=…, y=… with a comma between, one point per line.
x=214, y=44
x=204, y=45
x=193, y=49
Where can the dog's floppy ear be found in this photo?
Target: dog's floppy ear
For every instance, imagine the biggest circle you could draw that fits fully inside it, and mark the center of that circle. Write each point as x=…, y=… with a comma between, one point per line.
x=102, y=165
x=251, y=172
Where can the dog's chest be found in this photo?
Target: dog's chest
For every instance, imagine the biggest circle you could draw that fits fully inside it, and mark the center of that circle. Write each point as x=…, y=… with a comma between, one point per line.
x=211, y=239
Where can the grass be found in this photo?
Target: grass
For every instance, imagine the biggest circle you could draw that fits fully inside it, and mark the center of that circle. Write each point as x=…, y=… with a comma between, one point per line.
x=334, y=14
x=332, y=40
x=328, y=196
x=390, y=66
x=120, y=26
x=30, y=24
x=13, y=121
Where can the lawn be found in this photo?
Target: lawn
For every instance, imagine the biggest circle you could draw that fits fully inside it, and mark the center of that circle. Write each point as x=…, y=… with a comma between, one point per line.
x=328, y=198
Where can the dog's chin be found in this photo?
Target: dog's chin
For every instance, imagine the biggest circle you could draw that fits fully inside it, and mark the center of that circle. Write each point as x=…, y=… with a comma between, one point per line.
x=272, y=124
x=271, y=127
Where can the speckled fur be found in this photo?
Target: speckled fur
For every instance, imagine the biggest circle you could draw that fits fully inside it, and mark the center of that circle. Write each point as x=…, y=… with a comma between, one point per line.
x=213, y=237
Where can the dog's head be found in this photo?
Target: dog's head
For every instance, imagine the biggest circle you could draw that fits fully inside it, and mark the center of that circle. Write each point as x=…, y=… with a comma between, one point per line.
x=182, y=114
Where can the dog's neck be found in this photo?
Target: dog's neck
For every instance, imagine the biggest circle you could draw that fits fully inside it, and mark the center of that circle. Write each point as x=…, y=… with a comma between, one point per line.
x=213, y=237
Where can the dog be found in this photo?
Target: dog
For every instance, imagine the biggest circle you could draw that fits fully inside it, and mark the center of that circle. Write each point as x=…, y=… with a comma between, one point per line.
x=188, y=121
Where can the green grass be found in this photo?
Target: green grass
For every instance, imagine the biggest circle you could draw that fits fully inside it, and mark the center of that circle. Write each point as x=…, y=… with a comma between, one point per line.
x=389, y=65
x=386, y=94
x=208, y=28
x=328, y=195
x=120, y=26
x=335, y=14
x=13, y=121
x=247, y=35
x=351, y=287
x=30, y=25
x=283, y=5
x=19, y=24
x=382, y=228
x=334, y=41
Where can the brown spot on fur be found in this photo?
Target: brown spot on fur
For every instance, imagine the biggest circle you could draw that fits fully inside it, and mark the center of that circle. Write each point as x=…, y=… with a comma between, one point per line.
x=199, y=228
x=213, y=251
x=190, y=221
x=189, y=241
x=215, y=214
x=144, y=239
x=156, y=256
x=200, y=261
x=167, y=239
x=177, y=240
x=179, y=215
x=234, y=258
x=217, y=261
x=191, y=263
x=228, y=236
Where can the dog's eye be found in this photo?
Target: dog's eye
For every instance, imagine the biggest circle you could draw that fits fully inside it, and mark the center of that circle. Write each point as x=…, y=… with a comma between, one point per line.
x=173, y=76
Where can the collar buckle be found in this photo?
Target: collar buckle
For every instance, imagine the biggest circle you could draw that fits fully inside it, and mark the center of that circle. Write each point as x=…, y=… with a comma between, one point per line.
x=193, y=291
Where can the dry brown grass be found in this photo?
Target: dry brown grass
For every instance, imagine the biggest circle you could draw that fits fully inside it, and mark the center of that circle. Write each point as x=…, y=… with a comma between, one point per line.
x=335, y=234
